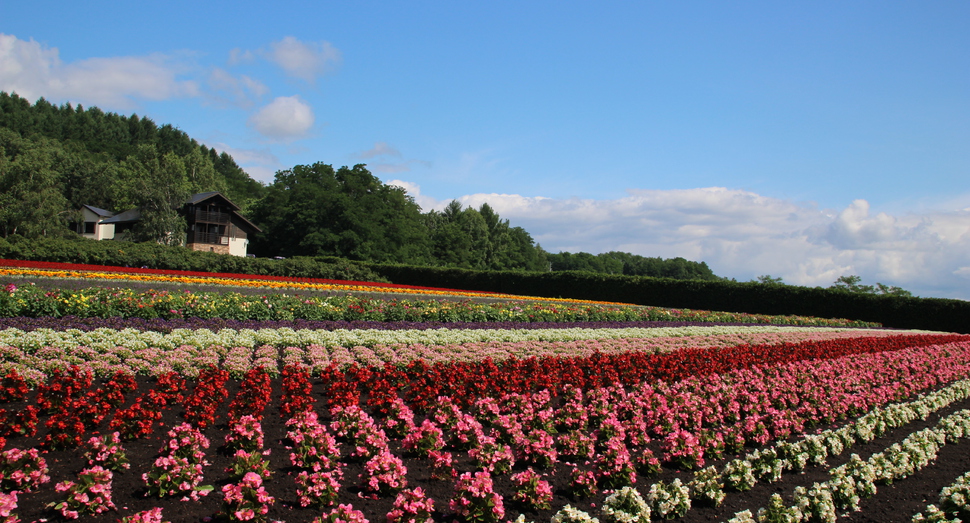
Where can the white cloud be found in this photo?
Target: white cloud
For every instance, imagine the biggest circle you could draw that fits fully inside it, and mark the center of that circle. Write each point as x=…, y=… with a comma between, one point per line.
x=425, y=202
x=385, y=151
x=238, y=56
x=33, y=70
x=260, y=164
x=741, y=235
x=285, y=118
x=239, y=90
x=304, y=60
x=379, y=149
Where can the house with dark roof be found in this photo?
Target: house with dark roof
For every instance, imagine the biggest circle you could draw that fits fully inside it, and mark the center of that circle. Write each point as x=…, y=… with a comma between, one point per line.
x=213, y=223
x=92, y=223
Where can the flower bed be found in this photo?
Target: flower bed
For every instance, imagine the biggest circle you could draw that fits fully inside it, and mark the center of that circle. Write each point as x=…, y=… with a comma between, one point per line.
x=681, y=421
x=267, y=422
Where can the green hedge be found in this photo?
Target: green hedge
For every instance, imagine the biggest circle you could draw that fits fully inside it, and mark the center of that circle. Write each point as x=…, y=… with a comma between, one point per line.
x=755, y=298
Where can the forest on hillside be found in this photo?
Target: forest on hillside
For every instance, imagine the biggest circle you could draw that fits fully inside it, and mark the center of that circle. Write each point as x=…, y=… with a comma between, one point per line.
x=55, y=159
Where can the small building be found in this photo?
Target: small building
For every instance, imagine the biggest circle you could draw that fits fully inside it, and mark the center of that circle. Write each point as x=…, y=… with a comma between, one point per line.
x=213, y=224
x=92, y=223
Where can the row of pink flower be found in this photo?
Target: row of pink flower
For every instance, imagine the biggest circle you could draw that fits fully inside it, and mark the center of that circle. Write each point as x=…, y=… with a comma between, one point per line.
x=189, y=360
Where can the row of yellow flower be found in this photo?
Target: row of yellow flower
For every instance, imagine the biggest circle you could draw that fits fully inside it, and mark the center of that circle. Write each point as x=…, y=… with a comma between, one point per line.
x=267, y=284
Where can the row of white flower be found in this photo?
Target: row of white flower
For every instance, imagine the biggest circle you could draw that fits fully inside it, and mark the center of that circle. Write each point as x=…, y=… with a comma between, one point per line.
x=105, y=338
x=857, y=479
x=954, y=504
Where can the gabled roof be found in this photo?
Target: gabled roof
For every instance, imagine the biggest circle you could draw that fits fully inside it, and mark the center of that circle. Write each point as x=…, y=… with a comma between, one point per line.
x=134, y=215
x=130, y=216
x=99, y=212
x=203, y=196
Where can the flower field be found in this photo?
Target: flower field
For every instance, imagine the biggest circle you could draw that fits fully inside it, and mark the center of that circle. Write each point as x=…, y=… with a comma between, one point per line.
x=286, y=403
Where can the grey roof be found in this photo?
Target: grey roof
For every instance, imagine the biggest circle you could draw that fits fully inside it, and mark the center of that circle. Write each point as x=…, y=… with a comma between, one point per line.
x=132, y=215
x=203, y=196
x=99, y=212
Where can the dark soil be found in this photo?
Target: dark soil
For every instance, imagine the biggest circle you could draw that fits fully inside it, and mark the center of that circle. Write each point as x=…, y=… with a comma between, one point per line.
x=892, y=503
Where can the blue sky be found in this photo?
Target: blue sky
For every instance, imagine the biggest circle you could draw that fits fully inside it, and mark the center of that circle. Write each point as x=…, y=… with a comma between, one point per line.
x=805, y=140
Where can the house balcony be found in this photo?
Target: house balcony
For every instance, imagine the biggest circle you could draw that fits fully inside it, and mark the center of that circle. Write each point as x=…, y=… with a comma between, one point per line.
x=212, y=217
x=208, y=237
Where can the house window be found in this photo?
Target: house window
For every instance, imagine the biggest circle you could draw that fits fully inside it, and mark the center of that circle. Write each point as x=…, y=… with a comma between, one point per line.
x=89, y=227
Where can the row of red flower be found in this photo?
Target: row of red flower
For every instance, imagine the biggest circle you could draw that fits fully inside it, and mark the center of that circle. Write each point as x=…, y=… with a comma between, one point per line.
x=75, y=408
x=419, y=383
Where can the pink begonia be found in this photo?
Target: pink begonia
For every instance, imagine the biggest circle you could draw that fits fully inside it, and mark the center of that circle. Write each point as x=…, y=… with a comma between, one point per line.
x=411, y=506
x=146, y=516
x=442, y=465
x=245, y=434
x=342, y=514
x=384, y=473
x=248, y=499
x=582, y=482
x=8, y=503
x=475, y=498
x=425, y=438
x=318, y=488
x=532, y=489
x=90, y=495
x=107, y=451
x=22, y=470
x=684, y=448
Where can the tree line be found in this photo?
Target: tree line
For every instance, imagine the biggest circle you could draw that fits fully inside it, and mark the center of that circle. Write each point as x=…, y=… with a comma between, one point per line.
x=54, y=159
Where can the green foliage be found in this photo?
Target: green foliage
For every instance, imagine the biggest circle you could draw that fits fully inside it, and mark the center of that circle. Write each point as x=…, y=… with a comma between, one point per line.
x=101, y=158
x=479, y=239
x=853, y=284
x=313, y=210
x=631, y=265
x=31, y=202
x=767, y=279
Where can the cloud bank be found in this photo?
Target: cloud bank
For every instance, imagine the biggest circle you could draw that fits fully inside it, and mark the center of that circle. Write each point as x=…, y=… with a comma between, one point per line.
x=303, y=60
x=33, y=70
x=742, y=235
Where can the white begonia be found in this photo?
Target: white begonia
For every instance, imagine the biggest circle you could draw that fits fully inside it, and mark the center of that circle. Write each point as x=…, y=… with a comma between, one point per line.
x=815, y=503
x=707, y=486
x=626, y=506
x=778, y=512
x=669, y=499
x=738, y=474
x=745, y=516
x=568, y=514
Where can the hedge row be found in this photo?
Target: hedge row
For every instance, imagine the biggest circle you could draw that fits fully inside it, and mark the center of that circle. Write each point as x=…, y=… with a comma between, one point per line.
x=755, y=298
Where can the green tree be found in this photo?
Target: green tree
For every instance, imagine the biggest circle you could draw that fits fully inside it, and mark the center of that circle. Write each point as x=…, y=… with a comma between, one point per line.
x=159, y=188
x=767, y=279
x=853, y=283
x=459, y=237
x=314, y=210
x=31, y=199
